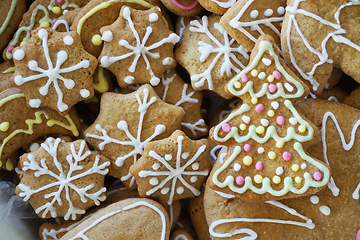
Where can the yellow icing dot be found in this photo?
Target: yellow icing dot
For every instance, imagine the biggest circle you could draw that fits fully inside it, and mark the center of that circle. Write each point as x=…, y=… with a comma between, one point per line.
x=23, y=43
x=272, y=155
x=295, y=167
x=96, y=40
x=270, y=78
x=254, y=72
x=4, y=126
x=9, y=165
x=45, y=24
x=276, y=179
x=298, y=180
x=237, y=84
x=260, y=130
x=271, y=113
x=258, y=178
x=242, y=126
x=56, y=10
x=247, y=160
x=254, y=100
x=280, y=144
x=302, y=128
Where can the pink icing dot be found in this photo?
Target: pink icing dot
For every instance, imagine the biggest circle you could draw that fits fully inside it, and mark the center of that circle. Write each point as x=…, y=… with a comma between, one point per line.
x=259, y=166
x=280, y=120
x=272, y=88
x=53, y=21
x=247, y=147
x=259, y=108
x=276, y=74
x=31, y=31
x=244, y=78
x=59, y=1
x=317, y=176
x=11, y=48
x=226, y=127
x=358, y=235
x=286, y=156
x=239, y=180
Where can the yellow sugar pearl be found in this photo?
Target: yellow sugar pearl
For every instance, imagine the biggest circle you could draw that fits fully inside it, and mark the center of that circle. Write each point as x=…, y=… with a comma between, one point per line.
x=23, y=43
x=280, y=144
x=237, y=85
x=56, y=10
x=254, y=100
x=4, y=126
x=254, y=72
x=295, y=167
x=45, y=24
x=272, y=155
x=247, y=160
x=298, y=180
x=271, y=113
x=260, y=130
x=276, y=179
x=258, y=178
x=9, y=165
x=242, y=126
x=96, y=40
x=270, y=78
x=302, y=128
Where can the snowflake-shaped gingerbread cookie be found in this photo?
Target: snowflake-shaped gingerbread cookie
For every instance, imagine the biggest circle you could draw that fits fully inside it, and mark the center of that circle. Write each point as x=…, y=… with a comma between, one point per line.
x=62, y=179
x=138, y=48
x=173, y=168
x=54, y=70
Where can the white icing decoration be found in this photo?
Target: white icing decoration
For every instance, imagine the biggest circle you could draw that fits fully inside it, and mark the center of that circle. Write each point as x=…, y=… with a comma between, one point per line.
x=156, y=166
x=153, y=17
x=264, y=122
x=168, y=157
x=52, y=73
x=139, y=49
x=237, y=167
x=185, y=155
x=246, y=119
x=225, y=195
x=168, y=61
x=224, y=4
x=180, y=190
x=129, y=79
x=134, y=141
x=34, y=146
x=165, y=190
x=213, y=150
x=225, y=50
x=293, y=121
x=63, y=181
x=175, y=173
x=314, y=199
x=275, y=105
x=68, y=40
x=281, y=10
x=268, y=12
x=200, y=126
x=84, y=93
x=279, y=170
x=289, y=87
x=107, y=36
x=154, y=181
x=61, y=21
x=34, y=103
x=193, y=179
x=260, y=150
x=303, y=166
x=325, y=210
x=262, y=75
x=266, y=61
x=19, y=54
x=254, y=13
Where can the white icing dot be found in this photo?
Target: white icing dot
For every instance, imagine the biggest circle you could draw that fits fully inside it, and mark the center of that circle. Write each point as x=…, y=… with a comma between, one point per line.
x=18, y=80
x=266, y=61
x=156, y=166
x=325, y=210
x=260, y=150
x=289, y=87
x=179, y=190
x=268, y=12
x=154, y=181
x=34, y=103
x=275, y=105
x=65, y=11
x=246, y=119
x=129, y=79
x=185, y=155
x=279, y=171
x=293, y=121
x=193, y=179
x=264, y=122
x=68, y=40
x=327, y=85
x=84, y=93
x=262, y=75
x=303, y=166
x=281, y=10
x=34, y=147
x=237, y=167
x=168, y=61
x=153, y=17
x=19, y=54
x=254, y=13
x=42, y=33
x=165, y=190
x=195, y=166
x=154, y=81
x=314, y=199
x=168, y=157
x=107, y=36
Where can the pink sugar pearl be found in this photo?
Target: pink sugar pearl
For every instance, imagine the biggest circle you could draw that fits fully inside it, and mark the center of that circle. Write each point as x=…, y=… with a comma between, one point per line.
x=286, y=156
x=317, y=176
x=239, y=180
x=280, y=120
x=244, y=78
x=259, y=108
x=276, y=74
x=11, y=48
x=247, y=147
x=259, y=166
x=358, y=235
x=59, y=1
x=272, y=88
x=226, y=127
x=53, y=21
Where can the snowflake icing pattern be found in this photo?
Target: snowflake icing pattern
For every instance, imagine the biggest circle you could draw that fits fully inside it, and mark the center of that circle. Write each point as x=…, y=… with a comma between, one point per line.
x=135, y=141
x=64, y=180
x=52, y=73
x=140, y=50
x=174, y=174
x=224, y=50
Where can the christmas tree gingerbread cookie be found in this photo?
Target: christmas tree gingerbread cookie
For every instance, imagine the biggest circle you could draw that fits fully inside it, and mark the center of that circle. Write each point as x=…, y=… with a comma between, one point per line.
x=266, y=136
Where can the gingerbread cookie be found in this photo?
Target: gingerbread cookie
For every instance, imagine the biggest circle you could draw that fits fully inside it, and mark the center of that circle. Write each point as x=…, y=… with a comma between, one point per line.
x=127, y=122
x=144, y=53
x=353, y=99
x=209, y=55
x=266, y=137
x=6, y=74
x=312, y=53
